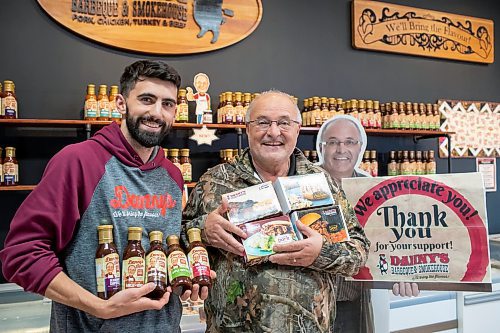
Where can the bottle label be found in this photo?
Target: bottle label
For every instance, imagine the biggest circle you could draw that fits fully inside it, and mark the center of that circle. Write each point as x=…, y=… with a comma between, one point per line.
x=133, y=272
x=1, y=173
x=90, y=108
x=425, y=123
x=107, y=270
x=2, y=111
x=370, y=119
x=183, y=112
x=186, y=170
x=405, y=168
x=178, y=165
x=431, y=168
x=177, y=265
x=378, y=120
x=103, y=106
x=10, y=173
x=115, y=114
x=10, y=106
x=239, y=118
x=374, y=169
x=229, y=118
x=418, y=169
x=156, y=265
x=411, y=121
x=392, y=169
x=198, y=260
x=418, y=122
x=207, y=117
x=403, y=122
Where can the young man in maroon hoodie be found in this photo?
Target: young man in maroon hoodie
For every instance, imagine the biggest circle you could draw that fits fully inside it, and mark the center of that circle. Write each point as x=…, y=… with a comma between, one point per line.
x=118, y=177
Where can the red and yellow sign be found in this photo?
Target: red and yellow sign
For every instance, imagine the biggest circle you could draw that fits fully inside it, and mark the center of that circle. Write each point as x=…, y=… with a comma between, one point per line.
x=159, y=27
x=387, y=27
x=431, y=230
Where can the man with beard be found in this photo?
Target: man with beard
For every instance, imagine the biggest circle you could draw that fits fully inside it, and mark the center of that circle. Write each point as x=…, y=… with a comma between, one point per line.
x=112, y=178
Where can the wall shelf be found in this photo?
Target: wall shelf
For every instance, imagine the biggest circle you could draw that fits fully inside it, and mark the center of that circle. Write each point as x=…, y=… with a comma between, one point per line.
x=88, y=124
x=17, y=188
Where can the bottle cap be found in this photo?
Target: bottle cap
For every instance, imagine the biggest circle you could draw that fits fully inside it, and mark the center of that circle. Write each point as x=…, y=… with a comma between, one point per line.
x=156, y=236
x=194, y=235
x=172, y=239
x=134, y=233
x=105, y=233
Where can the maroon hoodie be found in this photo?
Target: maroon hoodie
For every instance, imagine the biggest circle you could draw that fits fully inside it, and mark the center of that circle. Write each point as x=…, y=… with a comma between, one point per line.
x=99, y=181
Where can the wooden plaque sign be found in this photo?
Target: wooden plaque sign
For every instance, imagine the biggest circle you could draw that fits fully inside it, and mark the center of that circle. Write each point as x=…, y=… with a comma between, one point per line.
x=386, y=27
x=161, y=26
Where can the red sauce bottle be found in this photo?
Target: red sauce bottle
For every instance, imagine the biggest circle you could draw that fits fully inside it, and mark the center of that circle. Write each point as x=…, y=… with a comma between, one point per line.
x=107, y=263
x=198, y=259
x=134, y=263
x=179, y=273
x=156, y=265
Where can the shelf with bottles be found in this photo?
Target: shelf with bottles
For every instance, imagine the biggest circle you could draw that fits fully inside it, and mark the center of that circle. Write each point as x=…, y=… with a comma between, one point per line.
x=77, y=123
x=306, y=129
x=407, y=162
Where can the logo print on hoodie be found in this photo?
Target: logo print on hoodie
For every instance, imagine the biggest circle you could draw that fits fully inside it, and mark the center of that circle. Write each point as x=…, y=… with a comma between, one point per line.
x=124, y=200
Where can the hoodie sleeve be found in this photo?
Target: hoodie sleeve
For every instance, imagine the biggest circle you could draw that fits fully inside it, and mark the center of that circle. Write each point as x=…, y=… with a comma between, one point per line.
x=45, y=222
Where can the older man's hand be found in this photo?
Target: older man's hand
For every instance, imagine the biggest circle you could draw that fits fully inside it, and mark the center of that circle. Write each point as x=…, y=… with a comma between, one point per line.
x=300, y=253
x=195, y=293
x=405, y=289
x=219, y=231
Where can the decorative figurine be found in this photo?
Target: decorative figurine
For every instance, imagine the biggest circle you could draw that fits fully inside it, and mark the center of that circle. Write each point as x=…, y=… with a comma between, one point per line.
x=201, y=83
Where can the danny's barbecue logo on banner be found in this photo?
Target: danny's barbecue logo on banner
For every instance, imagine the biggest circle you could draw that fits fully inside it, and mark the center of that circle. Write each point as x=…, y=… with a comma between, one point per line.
x=159, y=27
x=424, y=229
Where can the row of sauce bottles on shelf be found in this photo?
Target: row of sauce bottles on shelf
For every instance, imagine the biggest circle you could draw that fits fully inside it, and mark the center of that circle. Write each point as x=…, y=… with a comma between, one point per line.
x=8, y=101
x=171, y=267
x=180, y=158
x=401, y=162
x=9, y=167
x=232, y=108
x=101, y=106
x=372, y=114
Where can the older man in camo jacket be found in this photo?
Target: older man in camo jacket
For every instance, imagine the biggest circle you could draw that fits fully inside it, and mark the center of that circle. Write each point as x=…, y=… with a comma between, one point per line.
x=294, y=291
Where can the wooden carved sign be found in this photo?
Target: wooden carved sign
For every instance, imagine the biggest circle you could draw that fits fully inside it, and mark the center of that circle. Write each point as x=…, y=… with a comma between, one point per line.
x=386, y=27
x=159, y=27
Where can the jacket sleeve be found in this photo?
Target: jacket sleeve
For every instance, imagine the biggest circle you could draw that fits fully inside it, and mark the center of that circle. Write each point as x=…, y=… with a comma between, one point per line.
x=44, y=224
x=344, y=258
x=205, y=197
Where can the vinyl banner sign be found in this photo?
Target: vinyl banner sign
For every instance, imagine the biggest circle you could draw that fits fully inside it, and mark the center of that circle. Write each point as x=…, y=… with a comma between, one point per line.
x=426, y=229
x=387, y=27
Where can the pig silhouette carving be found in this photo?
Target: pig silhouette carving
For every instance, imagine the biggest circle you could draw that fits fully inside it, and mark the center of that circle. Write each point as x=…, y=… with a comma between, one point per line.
x=208, y=14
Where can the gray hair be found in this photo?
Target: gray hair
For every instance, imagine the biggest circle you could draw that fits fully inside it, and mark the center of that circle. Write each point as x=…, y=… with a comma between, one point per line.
x=328, y=123
x=268, y=93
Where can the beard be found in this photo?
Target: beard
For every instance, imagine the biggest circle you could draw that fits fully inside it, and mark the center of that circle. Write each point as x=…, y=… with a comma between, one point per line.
x=145, y=138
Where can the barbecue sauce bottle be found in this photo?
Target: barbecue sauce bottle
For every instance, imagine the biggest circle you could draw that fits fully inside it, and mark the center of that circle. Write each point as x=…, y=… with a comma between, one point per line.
x=133, y=260
x=198, y=258
x=156, y=265
x=179, y=273
x=107, y=263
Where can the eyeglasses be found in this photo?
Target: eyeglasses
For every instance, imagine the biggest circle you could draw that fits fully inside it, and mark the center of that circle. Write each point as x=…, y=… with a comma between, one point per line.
x=348, y=143
x=264, y=124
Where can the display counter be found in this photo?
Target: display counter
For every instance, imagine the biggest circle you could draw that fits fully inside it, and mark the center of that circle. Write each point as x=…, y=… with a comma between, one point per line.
x=21, y=311
x=451, y=311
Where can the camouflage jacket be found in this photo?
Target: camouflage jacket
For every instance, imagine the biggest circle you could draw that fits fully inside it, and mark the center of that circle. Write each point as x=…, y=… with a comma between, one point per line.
x=270, y=297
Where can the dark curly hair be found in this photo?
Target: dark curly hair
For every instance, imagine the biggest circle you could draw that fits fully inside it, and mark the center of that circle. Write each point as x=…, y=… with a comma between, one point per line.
x=142, y=69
